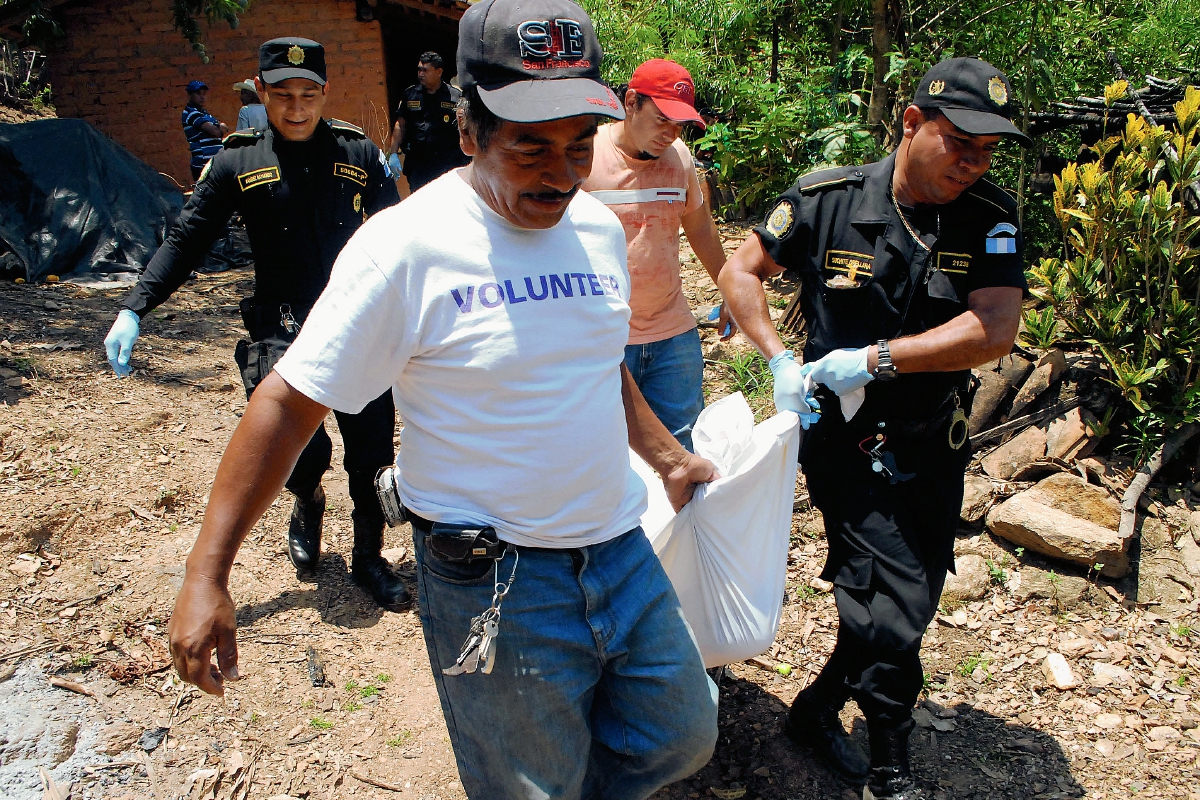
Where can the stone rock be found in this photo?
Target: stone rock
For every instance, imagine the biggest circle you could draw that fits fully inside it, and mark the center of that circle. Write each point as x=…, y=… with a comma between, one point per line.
x=1067, y=591
x=1109, y=721
x=1189, y=554
x=116, y=738
x=1070, y=493
x=1176, y=657
x=1067, y=436
x=993, y=386
x=1037, y=382
x=1057, y=361
x=1018, y=452
x=977, y=498
x=1107, y=675
x=970, y=580
x=1058, y=672
x=1014, y=368
x=1027, y=523
x=1163, y=733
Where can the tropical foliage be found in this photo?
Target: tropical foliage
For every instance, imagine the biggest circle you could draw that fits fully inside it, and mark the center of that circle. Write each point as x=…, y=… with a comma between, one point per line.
x=1129, y=279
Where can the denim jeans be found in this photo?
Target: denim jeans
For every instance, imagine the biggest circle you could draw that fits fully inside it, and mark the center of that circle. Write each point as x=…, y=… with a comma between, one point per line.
x=598, y=689
x=670, y=374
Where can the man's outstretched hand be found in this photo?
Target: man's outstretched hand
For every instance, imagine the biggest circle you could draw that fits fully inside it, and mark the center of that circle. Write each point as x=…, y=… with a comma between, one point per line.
x=681, y=481
x=204, y=621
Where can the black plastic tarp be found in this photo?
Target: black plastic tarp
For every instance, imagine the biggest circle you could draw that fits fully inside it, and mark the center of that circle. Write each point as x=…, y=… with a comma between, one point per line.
x=73, y=202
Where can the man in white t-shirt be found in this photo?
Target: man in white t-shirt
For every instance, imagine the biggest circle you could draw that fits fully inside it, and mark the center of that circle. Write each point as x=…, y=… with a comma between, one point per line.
x=498, y=314
x=644, y=172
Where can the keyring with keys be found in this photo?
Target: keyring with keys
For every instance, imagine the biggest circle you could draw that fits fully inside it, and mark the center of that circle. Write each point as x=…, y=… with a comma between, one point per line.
x=479, y=650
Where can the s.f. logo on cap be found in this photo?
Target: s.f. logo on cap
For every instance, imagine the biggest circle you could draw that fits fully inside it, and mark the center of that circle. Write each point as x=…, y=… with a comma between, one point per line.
x=544, y=38
x=684, y=88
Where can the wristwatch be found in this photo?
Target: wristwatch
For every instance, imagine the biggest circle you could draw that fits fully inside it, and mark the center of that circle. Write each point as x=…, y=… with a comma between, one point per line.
x=885, y=370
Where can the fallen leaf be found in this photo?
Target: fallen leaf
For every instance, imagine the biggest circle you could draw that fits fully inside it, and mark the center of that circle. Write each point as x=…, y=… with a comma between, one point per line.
x=50, y=789
x=71, y=686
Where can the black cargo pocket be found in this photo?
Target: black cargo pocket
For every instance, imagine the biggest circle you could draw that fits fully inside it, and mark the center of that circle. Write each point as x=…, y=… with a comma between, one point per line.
x=855, y=574
x=255, y=361
x=249, y=373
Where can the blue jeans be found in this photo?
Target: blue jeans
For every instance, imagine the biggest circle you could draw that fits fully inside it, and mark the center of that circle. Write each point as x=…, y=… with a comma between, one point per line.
x=670, y=374
x=598, y=689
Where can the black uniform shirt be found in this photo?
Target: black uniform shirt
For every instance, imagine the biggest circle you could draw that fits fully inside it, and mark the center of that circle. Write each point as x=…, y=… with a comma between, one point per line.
x=430, y=124
x=865, y=276
x=301, y=202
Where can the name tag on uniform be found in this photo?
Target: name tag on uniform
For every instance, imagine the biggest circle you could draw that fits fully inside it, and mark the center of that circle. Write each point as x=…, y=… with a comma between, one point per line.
x=414, y=105
x=447, y=105
x=954, y=263
x=351, y=173
x=849, y=269
x=258, y=177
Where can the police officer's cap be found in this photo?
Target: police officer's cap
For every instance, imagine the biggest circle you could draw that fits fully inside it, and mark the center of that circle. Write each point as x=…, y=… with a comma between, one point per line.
x=291, y=57
x=973, y=95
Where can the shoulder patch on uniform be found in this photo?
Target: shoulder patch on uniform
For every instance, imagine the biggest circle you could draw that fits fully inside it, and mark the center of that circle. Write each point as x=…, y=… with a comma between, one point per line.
x=350, y=172
x=241, y=138
x=346, y=129
x=822, y=178
x=1003, y=227
x=204, y=172
x=781, y=219
x=258, y=177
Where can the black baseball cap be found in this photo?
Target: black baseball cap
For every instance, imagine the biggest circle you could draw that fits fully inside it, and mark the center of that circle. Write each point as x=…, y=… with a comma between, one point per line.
x=291, y=57
x=973, y=95
x=533, y=60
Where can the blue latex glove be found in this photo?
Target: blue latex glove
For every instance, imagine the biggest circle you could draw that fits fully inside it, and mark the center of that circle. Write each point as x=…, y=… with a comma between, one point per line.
x=789, y=389
x=842, y=371
x=119, y=343
x=393, y=162
x=715, y=315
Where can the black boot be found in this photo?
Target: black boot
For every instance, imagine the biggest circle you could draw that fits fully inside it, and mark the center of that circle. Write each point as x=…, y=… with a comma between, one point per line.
x=304, y=530
x=372, y=572
x=890, y=777
x=813, y=722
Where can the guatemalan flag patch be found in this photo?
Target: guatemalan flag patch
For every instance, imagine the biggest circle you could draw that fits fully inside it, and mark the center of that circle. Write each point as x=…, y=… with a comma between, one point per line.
x=1002, y=239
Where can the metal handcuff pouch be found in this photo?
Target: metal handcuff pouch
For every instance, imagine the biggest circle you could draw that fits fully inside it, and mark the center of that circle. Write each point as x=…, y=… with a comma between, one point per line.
x=454, y=544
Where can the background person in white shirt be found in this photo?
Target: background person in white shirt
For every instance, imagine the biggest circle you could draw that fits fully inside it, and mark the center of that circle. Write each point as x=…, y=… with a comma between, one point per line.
x=500, y=327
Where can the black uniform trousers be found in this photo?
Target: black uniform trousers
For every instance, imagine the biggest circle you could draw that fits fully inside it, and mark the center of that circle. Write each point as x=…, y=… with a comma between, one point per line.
x=890, y=546
x=366, y=437
x=423, y=165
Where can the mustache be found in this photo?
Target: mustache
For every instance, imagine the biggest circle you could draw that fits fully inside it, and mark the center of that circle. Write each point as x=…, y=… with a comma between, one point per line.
x=552, y=196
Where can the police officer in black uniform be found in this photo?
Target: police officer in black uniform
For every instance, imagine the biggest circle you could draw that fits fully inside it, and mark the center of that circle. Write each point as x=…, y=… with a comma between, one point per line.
x=911, y=274
x=426, y=128
x=303, y=186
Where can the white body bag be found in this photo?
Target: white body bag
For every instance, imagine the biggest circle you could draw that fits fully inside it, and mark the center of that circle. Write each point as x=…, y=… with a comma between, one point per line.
x=726, y=551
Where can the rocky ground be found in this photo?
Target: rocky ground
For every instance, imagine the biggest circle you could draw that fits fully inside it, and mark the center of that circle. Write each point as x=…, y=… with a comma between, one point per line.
x=103, y=485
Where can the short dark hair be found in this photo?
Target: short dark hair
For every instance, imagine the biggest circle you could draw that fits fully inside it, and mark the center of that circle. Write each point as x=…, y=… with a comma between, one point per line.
x=930, y=113
x=480, y=120
x=431, y=58
x=623, y=89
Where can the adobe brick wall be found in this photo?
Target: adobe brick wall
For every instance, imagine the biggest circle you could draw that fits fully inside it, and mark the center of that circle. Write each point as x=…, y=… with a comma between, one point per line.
x=123, y=67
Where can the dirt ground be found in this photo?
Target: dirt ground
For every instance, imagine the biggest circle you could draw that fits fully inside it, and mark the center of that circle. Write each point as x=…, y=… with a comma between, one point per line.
x=103, y=484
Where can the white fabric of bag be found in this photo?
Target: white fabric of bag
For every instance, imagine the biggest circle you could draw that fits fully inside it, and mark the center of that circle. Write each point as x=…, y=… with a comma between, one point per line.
x=726, y=551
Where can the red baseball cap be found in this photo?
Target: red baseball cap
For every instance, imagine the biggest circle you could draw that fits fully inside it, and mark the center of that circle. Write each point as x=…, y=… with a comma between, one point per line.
x=670, y=86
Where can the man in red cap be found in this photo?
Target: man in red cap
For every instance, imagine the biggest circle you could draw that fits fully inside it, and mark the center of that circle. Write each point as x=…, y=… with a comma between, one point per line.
x=645, y=174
